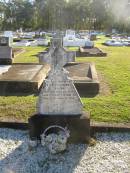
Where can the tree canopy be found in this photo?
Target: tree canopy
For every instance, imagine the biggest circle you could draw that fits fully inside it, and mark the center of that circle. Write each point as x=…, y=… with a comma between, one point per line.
x=64, y=14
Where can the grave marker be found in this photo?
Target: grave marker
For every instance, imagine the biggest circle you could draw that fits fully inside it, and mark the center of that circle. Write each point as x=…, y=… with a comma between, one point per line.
x=5, y=51
x=66, y=57
x=59, y=105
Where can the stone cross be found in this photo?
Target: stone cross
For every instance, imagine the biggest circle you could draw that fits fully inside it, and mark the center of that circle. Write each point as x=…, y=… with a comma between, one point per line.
x=62, y=56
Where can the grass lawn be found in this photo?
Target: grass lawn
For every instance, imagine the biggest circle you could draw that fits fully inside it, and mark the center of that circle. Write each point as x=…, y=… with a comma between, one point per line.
x=114, y=106
x=30, y=55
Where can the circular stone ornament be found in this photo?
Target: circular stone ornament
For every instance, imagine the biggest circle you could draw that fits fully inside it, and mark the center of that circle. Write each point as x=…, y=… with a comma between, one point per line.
x=55, y=142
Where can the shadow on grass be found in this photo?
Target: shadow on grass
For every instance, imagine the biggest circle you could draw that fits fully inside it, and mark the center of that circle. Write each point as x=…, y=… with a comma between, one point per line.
x=87, y=95
x=20, y=159
x=18, y=94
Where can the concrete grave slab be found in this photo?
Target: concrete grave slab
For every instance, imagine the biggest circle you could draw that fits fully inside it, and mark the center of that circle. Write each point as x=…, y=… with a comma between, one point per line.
x=92, y=52
x=23, y=78
x=85, y=78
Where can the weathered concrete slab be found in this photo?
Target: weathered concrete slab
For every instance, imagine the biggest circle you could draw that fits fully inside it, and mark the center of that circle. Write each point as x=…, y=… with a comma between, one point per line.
x=85, y=78
x=90, y=52
x=23, y=78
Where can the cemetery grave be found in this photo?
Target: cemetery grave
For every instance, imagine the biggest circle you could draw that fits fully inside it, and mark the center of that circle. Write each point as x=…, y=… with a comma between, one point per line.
x=71, y=40
x=112, y=69
x=65, y=107
x=59, y=105
x=6, y=55
x=90, y=52
x=22, y=78
x=59, y=111
x=85, y=78
x=84, y=75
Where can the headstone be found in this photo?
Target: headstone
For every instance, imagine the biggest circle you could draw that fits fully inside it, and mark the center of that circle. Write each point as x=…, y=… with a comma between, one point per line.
x=71, y=40
x=89, y=44
x=59, y=104
x=5, y=41
x=70, y=34
x=56, y=42
x=93, y=37
x=59, y=96
x=5, y=51
x=66, y=56
x=9, y=35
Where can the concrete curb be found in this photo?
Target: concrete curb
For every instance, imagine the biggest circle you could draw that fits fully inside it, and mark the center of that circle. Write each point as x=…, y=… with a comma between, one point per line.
x=14, y=125
x=109, y=127
x=95, y=126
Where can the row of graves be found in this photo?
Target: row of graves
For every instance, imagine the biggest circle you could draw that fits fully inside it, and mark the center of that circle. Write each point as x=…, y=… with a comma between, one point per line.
x=29, y=77
x=60, y=113
x=84, y=75
x=61, y=81
x=18, y=77
x=85, y=44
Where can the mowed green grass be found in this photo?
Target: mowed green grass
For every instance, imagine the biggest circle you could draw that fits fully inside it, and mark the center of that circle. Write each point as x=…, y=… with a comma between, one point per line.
x=114, y=107
x=30, y=55
x=19, y=108
x=111, y=107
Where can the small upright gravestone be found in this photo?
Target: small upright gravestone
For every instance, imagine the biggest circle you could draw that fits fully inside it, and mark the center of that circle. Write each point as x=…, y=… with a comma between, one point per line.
x=59, y=104
x=5, y=51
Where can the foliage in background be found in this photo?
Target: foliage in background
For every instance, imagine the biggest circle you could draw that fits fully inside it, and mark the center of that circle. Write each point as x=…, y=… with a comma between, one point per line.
x=63, y=14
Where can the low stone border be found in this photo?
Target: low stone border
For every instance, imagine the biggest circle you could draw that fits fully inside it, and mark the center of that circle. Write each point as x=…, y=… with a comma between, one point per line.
x=14, y=125
x=82, y=53
x=95, y=126
x=109, y=127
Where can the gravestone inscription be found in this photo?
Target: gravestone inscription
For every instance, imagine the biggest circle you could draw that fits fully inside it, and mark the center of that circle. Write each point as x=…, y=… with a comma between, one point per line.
x=59, y=96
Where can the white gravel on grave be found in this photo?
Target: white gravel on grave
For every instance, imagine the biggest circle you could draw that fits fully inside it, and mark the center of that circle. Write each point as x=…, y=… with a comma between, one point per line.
x=111, y=154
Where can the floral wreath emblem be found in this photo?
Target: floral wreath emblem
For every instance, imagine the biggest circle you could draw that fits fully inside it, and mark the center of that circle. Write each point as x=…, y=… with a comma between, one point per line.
x=55, y=142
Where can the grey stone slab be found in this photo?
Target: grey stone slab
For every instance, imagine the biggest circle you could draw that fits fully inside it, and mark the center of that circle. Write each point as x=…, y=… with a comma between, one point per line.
x=59, y=96
x=5, y=52
x=6, y=41
x=23, y=78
